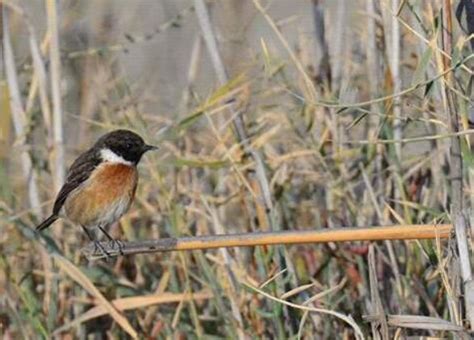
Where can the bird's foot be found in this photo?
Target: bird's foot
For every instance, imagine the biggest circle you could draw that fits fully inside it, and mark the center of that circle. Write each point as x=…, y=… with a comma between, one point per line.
x=98, y=247
x=117, y=243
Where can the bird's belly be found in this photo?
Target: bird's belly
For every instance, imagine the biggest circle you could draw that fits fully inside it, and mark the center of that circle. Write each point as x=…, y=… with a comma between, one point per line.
x=104, y=197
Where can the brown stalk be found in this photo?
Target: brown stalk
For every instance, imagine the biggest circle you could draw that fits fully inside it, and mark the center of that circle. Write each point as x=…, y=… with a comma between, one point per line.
x=398, y=232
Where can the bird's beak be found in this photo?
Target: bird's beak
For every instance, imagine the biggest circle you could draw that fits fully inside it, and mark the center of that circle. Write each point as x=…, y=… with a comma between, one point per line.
x=150, y=148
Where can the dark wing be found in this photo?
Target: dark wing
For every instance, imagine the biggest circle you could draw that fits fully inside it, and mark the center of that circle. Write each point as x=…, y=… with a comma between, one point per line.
x=79, y=171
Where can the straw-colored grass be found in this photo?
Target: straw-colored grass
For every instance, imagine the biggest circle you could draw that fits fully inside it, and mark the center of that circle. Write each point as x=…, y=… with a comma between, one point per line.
x=276, y=134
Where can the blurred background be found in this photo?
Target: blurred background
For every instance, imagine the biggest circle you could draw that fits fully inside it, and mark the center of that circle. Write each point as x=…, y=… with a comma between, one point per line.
x=275, y=127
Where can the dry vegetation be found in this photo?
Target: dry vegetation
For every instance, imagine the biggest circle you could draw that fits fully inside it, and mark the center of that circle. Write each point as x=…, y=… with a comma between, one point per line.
x=283, y=128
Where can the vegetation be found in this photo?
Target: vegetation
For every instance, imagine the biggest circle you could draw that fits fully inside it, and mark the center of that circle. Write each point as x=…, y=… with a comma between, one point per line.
x=270, y=117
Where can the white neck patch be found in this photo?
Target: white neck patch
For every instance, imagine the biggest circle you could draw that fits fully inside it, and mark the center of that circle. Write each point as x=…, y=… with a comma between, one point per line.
x=108, y=155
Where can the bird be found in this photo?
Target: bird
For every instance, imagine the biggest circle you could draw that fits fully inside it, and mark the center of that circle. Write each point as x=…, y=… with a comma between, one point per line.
x=100, y=184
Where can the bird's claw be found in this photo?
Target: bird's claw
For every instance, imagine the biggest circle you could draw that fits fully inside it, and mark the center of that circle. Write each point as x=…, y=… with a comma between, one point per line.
x=118, y=244
x=98, y=247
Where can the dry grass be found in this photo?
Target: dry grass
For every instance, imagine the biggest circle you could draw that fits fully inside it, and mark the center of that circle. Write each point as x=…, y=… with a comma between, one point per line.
x=277, y=137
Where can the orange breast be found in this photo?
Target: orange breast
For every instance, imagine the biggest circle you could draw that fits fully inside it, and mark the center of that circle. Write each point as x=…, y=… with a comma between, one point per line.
x=104, y=197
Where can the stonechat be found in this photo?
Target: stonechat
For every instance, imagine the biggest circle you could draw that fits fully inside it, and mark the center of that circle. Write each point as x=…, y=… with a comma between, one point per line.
x=101, y=183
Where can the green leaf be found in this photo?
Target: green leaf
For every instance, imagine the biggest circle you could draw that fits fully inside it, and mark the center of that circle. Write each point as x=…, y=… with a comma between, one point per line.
x=456, y=57
x=428, y=88
x=342, y=109
x=217, y=96
x=225, y=89
x=467, y=157
x=357, y=120
x=420, y=70
x=186, y=122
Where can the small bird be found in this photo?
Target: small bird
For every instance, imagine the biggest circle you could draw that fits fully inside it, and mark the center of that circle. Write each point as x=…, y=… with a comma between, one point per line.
x=100, y=184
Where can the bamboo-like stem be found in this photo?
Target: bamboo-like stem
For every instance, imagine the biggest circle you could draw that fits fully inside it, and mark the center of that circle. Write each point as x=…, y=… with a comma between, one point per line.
x=339, y=48
x=394, y=61
x=323, y=67
x=41, y=80
x=21, y=126
x=456, y=174
x=373, y=74
x=19, y=117
x=397, y=82
x=379, y=324
x=192, y=72
x=239, y=127
x=398, y=232
x=210, y=40
x=230, y=273
x=56, y=94
x=373, y=70
x=208, y=34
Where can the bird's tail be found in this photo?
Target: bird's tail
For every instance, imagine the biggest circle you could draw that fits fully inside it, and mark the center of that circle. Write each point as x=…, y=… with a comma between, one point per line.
x=47, y=222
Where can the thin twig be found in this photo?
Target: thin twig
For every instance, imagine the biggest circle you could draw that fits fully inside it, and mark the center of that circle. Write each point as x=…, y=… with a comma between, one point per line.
x=133, y=39
x=413, y=139
x=346, y=318
x=398, y=232
x=428, y=42
x=309, y=86
x=383, y=98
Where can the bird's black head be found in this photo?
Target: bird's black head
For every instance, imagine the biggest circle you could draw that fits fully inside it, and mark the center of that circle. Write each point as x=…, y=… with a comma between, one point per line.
x=122, y=146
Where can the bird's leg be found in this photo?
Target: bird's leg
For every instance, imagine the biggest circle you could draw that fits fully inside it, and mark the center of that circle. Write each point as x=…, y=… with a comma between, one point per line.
x=113, y=241
x=97, y=244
